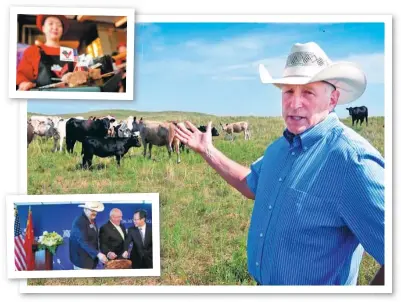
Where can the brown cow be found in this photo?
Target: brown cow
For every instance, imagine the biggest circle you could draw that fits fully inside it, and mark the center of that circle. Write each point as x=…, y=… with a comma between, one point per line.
x=237, y=127
x=158, y=134
x=30, y=133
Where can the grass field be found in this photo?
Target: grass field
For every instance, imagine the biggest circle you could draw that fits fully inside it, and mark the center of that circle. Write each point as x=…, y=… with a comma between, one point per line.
x=203, y=221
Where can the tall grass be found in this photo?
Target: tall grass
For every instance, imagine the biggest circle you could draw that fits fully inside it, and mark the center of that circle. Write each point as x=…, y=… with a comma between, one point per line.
x=203, y=221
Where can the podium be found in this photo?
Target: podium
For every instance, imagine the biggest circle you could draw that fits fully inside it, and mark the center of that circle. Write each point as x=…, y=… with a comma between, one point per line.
x=43, y=259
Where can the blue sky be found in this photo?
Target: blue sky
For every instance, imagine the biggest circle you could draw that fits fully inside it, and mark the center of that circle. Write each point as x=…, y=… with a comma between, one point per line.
x=213, y=67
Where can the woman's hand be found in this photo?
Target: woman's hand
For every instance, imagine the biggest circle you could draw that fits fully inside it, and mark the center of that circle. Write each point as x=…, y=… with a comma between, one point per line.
x=24, y=86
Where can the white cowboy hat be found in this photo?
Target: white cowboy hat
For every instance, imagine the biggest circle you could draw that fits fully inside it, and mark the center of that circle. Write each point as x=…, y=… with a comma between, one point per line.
x=308, y=63
x=93, y=205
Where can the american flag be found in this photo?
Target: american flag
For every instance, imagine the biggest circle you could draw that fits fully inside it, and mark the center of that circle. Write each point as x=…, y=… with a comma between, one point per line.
x=19, y=251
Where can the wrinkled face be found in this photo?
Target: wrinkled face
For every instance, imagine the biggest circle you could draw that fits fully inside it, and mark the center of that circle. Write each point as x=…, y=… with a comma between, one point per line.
x=137, y=221
x=90, y=214
x=304, y=106
x=116, y=217
x=52, y=28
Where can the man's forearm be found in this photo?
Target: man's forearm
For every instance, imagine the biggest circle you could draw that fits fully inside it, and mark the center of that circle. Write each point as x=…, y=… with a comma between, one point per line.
x=379, y=277
x=234, y=173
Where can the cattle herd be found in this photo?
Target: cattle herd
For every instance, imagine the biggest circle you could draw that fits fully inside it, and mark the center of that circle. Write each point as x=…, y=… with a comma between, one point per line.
x=105, y=137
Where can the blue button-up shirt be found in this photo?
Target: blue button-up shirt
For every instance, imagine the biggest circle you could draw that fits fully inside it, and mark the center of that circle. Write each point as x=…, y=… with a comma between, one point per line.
x=319, y=202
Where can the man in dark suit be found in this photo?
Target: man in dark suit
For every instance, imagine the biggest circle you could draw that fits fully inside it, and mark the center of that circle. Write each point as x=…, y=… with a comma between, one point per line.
x=141, y=237
x=112, y=236
x=84, y=242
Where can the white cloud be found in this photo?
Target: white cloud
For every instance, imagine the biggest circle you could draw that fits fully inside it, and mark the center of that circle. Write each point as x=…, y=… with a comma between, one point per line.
x=235, y=59
x=246, y=46
x=233, y=78
x=371, y=63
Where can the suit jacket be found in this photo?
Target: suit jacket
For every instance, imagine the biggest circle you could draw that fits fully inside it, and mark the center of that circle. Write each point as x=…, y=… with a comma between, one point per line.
x=84, y=243
x=111, y=240
x=141, y=253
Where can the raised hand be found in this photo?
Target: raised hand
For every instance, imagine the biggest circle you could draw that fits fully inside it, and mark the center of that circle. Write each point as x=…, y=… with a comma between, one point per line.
x=193, y=138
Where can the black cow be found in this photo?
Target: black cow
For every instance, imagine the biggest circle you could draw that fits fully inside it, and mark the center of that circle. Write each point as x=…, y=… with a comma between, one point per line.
x=358, y=114
x=77, y=130
x=214, y=130
x=106, y=147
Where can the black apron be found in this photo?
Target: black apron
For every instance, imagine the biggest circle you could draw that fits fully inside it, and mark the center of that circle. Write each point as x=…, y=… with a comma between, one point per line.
x=45, y=73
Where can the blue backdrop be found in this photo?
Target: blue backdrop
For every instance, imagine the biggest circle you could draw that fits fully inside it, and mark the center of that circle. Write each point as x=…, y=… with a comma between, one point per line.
x=59, y=218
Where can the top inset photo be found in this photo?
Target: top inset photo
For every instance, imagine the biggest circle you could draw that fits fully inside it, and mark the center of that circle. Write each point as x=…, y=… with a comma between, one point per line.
x=71, y=53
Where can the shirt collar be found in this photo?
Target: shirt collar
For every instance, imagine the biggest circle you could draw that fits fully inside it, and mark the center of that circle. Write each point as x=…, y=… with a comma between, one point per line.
x=142, y=227
x=115, y=224
x=307, y=138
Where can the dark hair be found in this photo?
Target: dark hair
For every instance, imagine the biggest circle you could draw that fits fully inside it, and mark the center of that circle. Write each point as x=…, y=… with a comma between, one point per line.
x=142, y=213
x=54, y=16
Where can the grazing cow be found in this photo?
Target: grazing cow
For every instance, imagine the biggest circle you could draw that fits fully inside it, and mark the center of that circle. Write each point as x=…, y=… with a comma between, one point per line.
x=358, y=114
x=36, y=119
x=106, y=147
x=44, y=129
x=158, y=134
x=237, y=128
x=48, y=128
x=30, y=133
x=77, y=130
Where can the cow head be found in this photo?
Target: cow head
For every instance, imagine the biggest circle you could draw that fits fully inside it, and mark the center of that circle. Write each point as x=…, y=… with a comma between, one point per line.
x=134, y=140
x=350, y=110
x=135, y=125
x=215, y=132
x=102, y=126
x=224, y=127
x=124, y=131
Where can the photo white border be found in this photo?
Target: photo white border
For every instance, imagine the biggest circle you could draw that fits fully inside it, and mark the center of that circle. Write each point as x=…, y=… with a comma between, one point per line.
x=131, y=198
x=71, y=95
x=388, y=107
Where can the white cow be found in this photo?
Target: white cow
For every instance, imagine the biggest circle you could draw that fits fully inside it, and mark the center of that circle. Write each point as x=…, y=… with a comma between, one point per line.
x=129, y=122
x=61, y=131
x=237, y=128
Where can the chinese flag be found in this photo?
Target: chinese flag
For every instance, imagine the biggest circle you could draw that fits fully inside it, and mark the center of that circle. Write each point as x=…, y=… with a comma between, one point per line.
x=29, y=238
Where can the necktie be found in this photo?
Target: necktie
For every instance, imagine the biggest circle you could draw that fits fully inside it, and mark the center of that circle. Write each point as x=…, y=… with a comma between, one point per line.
x=142, y=235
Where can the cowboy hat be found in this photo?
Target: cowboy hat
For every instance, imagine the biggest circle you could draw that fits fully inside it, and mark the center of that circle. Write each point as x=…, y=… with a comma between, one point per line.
x=40, y=20
x=93, y=205
x=308, y=63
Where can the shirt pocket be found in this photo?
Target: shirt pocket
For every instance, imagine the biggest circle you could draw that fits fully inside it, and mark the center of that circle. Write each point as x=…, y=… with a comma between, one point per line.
x=308, y=212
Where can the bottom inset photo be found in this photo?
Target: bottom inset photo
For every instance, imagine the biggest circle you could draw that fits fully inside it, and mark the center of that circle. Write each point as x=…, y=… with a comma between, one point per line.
x=93, y=235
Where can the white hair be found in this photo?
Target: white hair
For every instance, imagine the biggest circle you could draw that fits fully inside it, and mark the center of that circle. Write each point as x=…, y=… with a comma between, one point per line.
x=113, y=211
